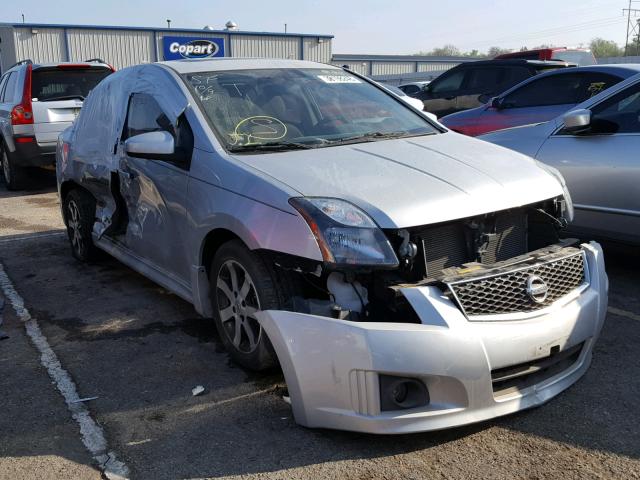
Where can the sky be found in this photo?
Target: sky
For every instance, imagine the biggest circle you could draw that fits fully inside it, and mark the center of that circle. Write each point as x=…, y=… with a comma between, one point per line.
x=359, y=26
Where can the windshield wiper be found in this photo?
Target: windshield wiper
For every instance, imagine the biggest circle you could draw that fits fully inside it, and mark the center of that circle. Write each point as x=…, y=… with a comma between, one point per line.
x=369, y=137
x=271, y=147
x=63, y=97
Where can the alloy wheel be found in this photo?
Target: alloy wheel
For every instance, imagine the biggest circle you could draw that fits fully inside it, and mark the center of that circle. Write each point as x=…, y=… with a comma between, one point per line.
x=237, y=304
x=74, y=227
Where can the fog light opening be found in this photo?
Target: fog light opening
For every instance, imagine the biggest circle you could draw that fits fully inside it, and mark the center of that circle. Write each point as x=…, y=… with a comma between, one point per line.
x=401, y=393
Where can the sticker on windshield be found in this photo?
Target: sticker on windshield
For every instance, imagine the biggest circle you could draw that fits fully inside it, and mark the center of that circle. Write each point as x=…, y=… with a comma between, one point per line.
x=338, y=79
x=257, y=129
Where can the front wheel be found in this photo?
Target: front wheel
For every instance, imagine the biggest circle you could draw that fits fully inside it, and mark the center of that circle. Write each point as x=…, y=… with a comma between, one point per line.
x=242, y=285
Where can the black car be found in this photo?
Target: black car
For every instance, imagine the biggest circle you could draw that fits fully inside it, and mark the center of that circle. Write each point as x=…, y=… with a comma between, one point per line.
x=461, y=87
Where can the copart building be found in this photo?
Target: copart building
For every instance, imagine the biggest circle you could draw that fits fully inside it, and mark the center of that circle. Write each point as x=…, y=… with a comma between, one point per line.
x=124, y=46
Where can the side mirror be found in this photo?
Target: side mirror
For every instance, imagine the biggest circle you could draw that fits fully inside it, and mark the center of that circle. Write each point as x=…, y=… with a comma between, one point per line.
x=577, y=121
x=497, y=103
x=151, y=145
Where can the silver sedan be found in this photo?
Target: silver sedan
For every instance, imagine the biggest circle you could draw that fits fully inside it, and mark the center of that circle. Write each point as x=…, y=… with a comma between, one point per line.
x=595, y=146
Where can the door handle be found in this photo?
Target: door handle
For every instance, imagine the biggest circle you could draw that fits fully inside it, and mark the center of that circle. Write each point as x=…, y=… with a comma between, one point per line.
x=450, y=98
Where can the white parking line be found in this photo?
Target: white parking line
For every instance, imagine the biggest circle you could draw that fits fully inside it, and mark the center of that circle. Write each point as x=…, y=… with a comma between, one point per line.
x=623, y=313
x=31, y=237
x=92, y=434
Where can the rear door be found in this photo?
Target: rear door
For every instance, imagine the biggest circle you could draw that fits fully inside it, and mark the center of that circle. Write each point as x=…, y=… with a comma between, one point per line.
x=479, y=81
x=57, y=95
x=602, y=170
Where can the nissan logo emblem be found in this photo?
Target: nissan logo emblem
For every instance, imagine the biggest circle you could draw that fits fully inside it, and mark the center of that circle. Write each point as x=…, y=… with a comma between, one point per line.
x=536, y=289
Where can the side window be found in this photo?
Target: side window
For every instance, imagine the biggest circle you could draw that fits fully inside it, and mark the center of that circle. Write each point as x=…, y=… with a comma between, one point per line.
x=516, y=75
x=552, y=90
x=145, y=115
x=619, y=114
x=484, y=80
x=9, y=91
x=411, y=89
x=594, y=83
x=449, y=83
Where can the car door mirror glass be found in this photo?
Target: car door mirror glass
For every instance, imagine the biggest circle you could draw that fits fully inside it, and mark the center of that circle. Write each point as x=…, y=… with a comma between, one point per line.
x=577, y=121
x=151, y=145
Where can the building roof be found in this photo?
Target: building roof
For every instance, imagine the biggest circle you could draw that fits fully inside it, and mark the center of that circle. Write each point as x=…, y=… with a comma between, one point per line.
x=161, y=29
x=345, y=57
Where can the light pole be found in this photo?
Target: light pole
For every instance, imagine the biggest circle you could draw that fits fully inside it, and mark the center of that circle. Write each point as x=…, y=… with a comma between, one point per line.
x=168, y=23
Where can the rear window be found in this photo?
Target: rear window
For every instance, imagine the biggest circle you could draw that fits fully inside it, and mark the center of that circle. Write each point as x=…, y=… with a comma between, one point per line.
x=58, y=84
x=579, y=57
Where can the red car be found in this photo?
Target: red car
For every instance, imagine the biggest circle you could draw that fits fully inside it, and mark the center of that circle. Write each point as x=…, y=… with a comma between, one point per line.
x=579, y=56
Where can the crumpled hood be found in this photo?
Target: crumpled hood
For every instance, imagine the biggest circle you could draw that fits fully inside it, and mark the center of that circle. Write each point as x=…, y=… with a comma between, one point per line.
x=414, y=181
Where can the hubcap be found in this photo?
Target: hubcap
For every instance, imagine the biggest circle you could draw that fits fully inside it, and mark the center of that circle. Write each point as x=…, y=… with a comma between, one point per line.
x=73, y=227
x=237, y=305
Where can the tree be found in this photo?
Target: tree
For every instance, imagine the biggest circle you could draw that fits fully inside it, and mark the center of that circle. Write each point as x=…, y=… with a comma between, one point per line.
x=446, y=51
x=495, y=51
x=605, y=48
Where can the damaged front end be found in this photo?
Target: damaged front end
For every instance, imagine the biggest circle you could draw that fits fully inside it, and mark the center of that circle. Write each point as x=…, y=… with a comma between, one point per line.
x=458, y=322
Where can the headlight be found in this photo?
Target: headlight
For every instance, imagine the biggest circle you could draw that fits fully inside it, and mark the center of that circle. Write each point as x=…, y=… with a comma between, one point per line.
x=345, y=234
x=568, y=213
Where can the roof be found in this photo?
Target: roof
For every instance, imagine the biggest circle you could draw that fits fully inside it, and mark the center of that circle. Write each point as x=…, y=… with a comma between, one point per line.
x=345, y=57
x=161, y=29
x=226, y=63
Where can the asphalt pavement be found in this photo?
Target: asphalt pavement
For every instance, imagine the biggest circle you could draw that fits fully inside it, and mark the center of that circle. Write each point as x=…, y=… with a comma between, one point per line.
x=140, y=350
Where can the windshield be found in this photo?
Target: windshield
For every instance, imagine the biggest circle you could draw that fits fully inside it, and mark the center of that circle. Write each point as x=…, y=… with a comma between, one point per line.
x=252, y=110
x=49, y=85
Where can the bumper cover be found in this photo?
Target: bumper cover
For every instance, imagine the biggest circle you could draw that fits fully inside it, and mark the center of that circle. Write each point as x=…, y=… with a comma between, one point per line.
x=331, y=366
x=34, y=154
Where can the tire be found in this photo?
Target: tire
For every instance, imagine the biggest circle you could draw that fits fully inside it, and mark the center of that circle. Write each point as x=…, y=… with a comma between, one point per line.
x=15, y=177
x=80, y=213
x=256, y=287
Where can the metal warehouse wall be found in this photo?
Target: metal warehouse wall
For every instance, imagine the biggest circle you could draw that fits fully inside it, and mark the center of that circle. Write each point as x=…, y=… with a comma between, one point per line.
x=317, y=49
x=7, y=48
x=45, y=46
x=123, y=46
x=119, y=48
x=265, y=47
x=392, y=68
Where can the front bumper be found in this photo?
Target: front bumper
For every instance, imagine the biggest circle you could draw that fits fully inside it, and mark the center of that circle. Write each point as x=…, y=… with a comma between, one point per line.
x=331, y=366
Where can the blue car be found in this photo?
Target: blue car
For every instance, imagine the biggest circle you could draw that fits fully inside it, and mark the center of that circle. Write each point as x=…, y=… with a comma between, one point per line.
x=539, y=98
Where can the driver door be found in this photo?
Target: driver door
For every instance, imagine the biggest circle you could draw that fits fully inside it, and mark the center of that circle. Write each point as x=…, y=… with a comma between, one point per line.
x=602, y=170
x=154, y=189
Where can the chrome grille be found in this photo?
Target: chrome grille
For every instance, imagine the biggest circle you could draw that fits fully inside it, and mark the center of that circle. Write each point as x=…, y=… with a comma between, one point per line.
x=506, y=292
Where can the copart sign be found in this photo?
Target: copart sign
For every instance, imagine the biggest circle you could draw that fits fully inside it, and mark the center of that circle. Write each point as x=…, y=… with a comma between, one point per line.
x=176, y=48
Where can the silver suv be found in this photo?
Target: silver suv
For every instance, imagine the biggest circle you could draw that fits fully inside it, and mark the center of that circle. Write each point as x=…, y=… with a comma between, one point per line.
x=37, y=102
x=405, y=277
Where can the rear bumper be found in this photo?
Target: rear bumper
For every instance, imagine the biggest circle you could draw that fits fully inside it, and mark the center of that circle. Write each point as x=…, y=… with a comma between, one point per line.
x=33, y=154
x=332, y=366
